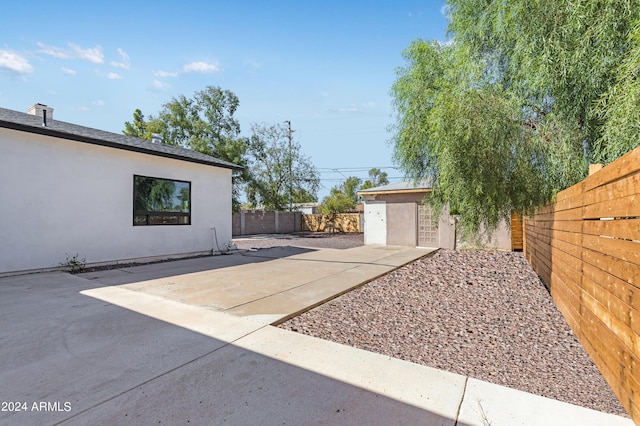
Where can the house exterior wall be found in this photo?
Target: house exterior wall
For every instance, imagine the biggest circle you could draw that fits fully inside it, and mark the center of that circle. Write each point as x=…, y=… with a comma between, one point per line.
x=411, y=197
x=61, y=198
x=446, y=230
x=500, y=239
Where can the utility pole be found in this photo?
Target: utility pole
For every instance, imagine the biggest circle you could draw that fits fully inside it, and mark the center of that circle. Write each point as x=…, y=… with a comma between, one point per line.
x=290, y=136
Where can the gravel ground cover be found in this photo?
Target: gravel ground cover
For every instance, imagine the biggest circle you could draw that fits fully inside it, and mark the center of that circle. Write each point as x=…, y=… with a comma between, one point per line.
x=304, y=239
x=482, y=314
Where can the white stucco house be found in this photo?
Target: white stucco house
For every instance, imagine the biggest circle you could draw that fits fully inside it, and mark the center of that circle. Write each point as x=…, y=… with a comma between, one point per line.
x=68, y=190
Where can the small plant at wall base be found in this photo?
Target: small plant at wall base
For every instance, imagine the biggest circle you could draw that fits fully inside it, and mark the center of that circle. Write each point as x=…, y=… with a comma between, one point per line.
x=74, y=264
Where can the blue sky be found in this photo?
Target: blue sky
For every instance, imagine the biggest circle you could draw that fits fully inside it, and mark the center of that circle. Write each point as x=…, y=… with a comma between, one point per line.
x=326, y=66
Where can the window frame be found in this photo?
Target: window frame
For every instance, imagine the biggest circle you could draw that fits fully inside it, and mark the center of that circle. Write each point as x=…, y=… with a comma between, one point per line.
x=158, y=215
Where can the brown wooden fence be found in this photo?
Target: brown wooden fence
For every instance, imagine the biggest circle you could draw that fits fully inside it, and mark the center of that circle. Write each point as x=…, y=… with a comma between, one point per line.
x=586, y=249
x=517, y=232
x=341, y=222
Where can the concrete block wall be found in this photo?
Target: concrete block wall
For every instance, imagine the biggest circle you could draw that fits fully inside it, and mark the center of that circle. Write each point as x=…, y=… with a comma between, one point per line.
x=249, y=222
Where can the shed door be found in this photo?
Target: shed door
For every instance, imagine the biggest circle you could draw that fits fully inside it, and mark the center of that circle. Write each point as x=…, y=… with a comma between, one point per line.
x=375, y=222
x=427, y=234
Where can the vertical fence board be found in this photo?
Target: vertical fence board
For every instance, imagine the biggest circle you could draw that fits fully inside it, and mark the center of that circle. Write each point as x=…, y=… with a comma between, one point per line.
x=517, y=242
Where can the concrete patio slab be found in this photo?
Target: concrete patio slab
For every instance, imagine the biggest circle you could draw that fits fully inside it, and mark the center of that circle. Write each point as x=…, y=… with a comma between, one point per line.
x=218, y=325
x=152, y=344
x=269, y=285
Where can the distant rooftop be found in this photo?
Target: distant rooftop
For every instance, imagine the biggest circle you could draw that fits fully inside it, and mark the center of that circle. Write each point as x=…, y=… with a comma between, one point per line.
x=407, y=186
x=33, y=123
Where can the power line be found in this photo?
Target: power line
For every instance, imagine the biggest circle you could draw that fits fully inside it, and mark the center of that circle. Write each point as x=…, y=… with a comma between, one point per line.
x=351, y=169
x=342, y=180
x=352, y=116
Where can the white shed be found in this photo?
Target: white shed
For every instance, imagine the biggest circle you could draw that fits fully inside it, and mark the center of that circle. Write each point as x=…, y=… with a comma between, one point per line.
x=68, y=190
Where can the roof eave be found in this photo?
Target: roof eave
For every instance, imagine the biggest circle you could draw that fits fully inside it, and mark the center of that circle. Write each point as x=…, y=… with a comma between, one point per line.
x=395, y=191
x=94, y=141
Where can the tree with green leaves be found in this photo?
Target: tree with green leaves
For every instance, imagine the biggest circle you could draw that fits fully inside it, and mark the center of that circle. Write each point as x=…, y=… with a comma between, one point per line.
x=139, y=128
x=343, y=197
x=336, y=202
x=203, y=123
x=281, y=175
x=517, y=105
x=376, y=178
x=620, y=106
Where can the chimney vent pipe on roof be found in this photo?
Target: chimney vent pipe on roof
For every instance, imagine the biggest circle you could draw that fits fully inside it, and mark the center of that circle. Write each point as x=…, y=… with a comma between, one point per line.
x=156, y=138
x=41, y=110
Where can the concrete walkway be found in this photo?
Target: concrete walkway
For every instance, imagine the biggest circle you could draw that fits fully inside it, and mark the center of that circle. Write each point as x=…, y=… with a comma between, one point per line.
x=190, y=342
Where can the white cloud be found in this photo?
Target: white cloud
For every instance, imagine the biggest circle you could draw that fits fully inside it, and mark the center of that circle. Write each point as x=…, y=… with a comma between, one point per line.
x=12, y=61
x=92, y=54
x=56, y=52
x=202, y=67
x=157, y=84
x=253, y=64
x=114, y=76
x=350, y=109
x=165, y=74
x=68, y=71
x=98, y=103
x=353, y=108
x=124, y=63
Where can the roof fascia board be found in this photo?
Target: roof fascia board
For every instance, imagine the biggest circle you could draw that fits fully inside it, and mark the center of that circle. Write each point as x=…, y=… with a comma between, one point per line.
x=79, y=138
x=395, y=191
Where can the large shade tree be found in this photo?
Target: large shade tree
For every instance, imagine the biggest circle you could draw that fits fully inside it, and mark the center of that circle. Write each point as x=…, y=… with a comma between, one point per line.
x=518, y=104
x=204, y=123
x=282, y=176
